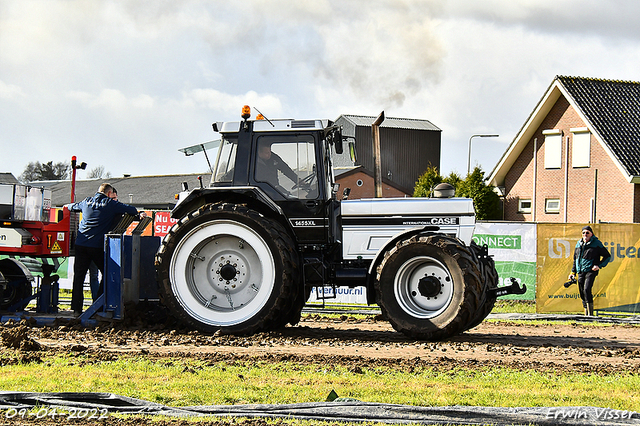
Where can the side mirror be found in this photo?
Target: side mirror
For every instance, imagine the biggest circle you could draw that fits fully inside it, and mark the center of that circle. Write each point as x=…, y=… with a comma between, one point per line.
x=338, y=144
x=334, y=137
x=337, y=140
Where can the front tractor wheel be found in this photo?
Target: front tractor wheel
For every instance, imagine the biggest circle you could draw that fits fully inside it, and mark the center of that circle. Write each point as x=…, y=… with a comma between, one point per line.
x=227, y=267
x=490, y=279
x=429, y=286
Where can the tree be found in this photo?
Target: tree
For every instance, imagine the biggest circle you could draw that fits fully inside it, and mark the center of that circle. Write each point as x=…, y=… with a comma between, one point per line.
x=98, y=172
x=36, y=171
x=431, y=178
x=426, y=182
x=454, y=179
x=485, y=199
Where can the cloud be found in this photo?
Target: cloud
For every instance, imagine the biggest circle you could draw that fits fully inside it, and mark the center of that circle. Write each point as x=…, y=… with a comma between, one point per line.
x=379, y=54
x=108, y=98
x=149, y=77
x=231, y=104
x=383, y=57
x=613, y=20
x=112, y=99
x=10, y=91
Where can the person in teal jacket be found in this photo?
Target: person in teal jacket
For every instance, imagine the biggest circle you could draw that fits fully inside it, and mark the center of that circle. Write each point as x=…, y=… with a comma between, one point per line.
x=588, y=258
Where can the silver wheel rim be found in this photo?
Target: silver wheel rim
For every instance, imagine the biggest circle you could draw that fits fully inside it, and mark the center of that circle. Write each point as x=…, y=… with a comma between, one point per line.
x=222, y=273
x=407, y=292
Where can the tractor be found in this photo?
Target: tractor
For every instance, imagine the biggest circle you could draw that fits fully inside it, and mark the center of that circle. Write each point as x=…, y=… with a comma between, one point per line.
x=272, y=225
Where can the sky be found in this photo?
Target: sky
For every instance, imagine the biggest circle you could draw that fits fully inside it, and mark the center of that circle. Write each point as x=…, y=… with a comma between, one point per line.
x=126, y=84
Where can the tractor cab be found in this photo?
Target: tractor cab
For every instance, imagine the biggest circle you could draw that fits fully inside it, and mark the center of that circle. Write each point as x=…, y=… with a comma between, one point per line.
x=286, y=166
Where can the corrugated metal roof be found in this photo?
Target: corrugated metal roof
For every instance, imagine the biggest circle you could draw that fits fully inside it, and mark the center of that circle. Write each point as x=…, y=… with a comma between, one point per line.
x=8, y=178
x=154, y=192
x=400, y=123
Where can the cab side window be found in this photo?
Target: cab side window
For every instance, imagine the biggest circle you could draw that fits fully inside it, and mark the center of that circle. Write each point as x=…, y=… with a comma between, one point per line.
x=288, y=165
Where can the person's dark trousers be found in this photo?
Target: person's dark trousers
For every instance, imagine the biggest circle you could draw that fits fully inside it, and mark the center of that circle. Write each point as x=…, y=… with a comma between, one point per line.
x=83, y=258
x=585, y=284
x=94, y=280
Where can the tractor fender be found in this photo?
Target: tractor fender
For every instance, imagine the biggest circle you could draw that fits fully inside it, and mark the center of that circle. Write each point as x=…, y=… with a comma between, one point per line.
x=250, y=195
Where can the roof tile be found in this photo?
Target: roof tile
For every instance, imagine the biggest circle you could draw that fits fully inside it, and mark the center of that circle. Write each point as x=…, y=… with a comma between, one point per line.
x=613, y=109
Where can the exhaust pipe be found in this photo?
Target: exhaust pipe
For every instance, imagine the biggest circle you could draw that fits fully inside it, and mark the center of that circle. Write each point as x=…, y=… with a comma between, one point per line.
x=377, y=162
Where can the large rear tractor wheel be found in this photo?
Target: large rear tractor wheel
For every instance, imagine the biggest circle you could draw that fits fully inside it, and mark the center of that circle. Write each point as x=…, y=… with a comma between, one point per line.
x=15, y=285
x=429, y=287
x=294, y=315
x=227, y=267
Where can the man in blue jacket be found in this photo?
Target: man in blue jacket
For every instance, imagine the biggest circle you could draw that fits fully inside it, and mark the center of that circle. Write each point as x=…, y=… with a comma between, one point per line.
x=98, y=213
x=588, y=258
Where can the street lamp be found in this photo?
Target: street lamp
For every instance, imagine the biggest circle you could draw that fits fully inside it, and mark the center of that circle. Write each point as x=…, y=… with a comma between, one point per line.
x=476, y=136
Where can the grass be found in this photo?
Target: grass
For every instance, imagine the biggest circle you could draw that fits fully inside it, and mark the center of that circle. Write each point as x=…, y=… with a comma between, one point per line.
x=501, y=306
x=187, y=382
x=514, y=307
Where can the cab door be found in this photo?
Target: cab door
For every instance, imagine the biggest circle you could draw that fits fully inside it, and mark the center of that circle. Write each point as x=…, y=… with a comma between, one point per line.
x=286, y=168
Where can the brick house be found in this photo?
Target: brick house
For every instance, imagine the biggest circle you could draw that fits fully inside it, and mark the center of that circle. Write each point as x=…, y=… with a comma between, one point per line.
x=360, y=181
x=577, y=157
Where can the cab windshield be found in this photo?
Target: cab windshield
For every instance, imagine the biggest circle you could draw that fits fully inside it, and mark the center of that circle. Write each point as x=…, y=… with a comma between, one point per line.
x=225, y=161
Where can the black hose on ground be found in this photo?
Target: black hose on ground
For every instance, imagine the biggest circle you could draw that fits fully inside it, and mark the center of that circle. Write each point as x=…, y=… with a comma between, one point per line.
x=343, y=410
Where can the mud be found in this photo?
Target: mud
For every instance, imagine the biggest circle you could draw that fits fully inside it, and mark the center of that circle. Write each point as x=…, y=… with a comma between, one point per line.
x=354, y=343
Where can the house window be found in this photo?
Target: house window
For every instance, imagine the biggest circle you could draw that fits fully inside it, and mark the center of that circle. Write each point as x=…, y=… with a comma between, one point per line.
x=581, y=151
x=552, y=149
x=552, y=205
x=524, y=205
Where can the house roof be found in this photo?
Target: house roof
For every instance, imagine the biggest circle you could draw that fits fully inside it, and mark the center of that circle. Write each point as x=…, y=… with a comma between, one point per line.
x=149, y=192
x=8, y=178
x=611, y=111
x=399, y=123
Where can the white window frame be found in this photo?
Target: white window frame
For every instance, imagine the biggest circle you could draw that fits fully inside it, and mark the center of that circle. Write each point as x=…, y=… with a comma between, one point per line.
x=552, y=149
x=522, y=208
x=581, y=148
x=549, y=207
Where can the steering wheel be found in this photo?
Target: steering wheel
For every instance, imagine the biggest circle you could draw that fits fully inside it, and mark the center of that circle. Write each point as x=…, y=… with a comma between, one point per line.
x=305, y=182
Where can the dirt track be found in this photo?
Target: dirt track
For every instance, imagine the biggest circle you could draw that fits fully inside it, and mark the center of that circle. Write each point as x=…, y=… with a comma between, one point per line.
x=352, y=342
